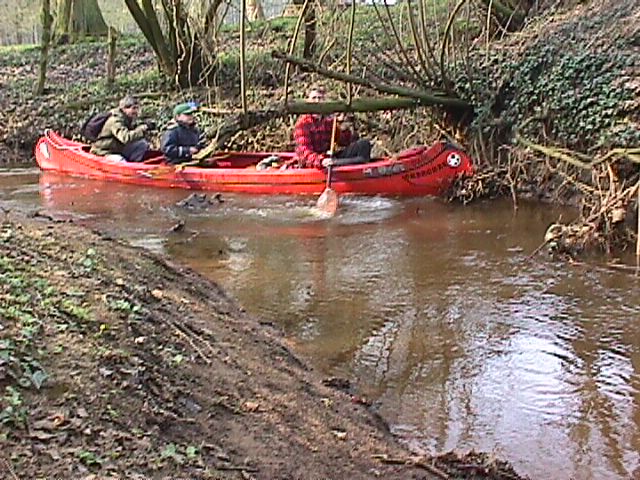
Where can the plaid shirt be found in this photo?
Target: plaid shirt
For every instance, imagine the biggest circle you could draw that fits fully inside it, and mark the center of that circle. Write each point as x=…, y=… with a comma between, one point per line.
x=312, y=135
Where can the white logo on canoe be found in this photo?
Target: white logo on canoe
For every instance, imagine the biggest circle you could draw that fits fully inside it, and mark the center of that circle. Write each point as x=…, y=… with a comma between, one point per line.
x=44, y=150
x=454, y=160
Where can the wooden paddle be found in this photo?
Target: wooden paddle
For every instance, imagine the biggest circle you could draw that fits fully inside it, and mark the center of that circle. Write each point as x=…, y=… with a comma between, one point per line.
x=166, y=169
x=206, y=151
x=328, y=200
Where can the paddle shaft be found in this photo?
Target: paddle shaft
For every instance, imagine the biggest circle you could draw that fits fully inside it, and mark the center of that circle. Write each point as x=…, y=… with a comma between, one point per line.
x=334, y=127
x=329, y=177
x=332, y=145
x=328, y=201
x=165, y=169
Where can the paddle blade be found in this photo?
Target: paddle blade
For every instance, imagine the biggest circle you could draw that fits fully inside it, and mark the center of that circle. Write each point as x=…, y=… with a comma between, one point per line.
x=328, y=202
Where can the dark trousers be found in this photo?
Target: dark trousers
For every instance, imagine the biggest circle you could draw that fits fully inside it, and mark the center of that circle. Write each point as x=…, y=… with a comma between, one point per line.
x=134, y=151
x=357, y=152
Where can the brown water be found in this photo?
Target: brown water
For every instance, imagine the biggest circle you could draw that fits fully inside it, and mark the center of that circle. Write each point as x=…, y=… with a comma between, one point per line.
x=433, y=310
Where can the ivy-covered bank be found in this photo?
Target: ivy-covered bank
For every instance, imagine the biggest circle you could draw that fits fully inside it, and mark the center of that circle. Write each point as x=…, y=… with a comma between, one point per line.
x=569, y=79
x=557, y=118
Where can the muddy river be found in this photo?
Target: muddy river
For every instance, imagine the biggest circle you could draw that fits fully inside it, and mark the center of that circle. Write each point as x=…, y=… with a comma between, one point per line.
x=436, y=312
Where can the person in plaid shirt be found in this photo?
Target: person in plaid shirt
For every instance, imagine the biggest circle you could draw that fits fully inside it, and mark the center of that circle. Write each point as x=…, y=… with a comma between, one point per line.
x=312, y=135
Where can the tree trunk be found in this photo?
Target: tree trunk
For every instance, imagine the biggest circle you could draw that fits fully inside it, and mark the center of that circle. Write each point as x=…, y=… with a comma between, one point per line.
x=309, y=32
x=47, y=20
x=211, y=18
x=111, y=56
x=147, y=20
x=63, y=20
x=243, y=47
x=309, y=28
x=178, y=49
x=254, y=10
x=87, y=18
x=78, y=18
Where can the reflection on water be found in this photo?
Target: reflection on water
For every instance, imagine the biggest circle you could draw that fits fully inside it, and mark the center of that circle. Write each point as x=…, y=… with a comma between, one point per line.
x=434, y=309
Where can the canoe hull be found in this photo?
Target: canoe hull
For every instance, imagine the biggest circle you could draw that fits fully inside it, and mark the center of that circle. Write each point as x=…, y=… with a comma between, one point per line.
x=415, y=172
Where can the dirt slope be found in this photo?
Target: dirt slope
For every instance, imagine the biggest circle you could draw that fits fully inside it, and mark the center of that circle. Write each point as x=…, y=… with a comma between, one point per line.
x=117, y=363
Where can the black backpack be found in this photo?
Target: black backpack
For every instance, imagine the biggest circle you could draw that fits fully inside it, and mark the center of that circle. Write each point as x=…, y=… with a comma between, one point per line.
x=93, y=126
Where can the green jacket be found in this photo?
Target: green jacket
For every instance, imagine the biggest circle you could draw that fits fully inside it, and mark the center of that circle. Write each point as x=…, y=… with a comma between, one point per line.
x=117, y=132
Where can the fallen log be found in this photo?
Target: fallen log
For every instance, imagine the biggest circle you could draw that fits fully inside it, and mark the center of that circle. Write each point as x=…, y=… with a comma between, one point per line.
x=237, y=121
x=423, y=98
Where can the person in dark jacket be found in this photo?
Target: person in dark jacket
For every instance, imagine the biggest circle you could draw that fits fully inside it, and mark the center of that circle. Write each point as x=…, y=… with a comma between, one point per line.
x=120, y=135
x=182, y=138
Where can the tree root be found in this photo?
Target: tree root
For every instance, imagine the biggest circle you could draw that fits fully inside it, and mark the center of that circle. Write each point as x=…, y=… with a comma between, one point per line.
x=606, y=184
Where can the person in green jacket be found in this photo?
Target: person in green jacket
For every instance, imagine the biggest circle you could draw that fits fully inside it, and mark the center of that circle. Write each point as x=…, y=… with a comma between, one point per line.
x=120, y=135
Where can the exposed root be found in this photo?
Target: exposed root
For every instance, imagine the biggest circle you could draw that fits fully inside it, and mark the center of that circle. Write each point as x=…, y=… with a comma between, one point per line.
x=490, y=183
x=604, y=223
x=606, y=184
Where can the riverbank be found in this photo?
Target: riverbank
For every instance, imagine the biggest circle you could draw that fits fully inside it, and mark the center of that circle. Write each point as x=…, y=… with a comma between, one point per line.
x=120, y=363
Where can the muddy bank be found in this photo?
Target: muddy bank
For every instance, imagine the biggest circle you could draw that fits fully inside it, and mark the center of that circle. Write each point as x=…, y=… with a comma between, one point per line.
x=118, y=363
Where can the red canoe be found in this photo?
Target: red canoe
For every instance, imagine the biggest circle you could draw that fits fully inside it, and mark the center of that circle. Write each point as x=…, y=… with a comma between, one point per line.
x=415, y=172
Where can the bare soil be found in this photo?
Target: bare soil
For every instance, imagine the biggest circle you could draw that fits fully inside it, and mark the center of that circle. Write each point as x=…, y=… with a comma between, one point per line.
x=117, y=363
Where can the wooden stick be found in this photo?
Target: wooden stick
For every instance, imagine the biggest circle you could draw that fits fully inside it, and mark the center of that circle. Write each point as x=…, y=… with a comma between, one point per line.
x=384, y=458
x=218, y=111
x=243, y=49
x=10, y=468
x=432, y=468
x=164, y=169
x=349, y=50
x=638, y=231
x=189, y=341
x=553, y=153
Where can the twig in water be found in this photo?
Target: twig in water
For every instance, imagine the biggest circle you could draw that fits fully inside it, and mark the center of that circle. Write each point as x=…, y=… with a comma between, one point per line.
x=638, y=232
x=536, y=251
